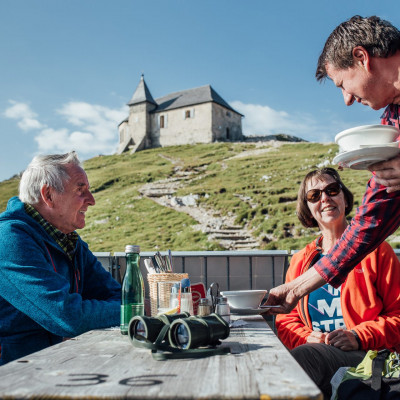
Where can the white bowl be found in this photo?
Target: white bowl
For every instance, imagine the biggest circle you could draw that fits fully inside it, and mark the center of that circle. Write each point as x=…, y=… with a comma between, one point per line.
x=366, y=135
x=244, y=298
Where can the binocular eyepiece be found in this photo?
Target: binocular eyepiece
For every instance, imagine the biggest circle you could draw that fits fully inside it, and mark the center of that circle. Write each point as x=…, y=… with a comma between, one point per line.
x=193, y=332
x=185, y=332
x=141, y=327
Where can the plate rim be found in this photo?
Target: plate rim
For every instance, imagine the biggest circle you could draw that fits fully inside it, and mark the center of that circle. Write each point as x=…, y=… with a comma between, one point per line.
x=242, y=292
x=249, y=311
x=343, y=158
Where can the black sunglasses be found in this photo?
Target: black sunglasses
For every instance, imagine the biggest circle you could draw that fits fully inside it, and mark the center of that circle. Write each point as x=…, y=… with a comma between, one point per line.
x=331, y=190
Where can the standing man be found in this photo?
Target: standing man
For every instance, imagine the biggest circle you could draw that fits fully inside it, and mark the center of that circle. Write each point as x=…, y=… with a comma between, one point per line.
x=51, y=285
x=362, y=58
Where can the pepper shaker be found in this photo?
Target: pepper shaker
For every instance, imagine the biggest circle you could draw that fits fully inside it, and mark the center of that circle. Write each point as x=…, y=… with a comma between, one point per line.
x=204, y=308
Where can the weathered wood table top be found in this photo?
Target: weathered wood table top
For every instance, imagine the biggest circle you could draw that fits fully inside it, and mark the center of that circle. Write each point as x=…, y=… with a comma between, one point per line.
x=103, y=364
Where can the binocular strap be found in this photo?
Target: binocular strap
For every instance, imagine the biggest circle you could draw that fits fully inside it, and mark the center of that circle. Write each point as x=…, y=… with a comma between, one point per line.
x=174, y=353
x=162, y=351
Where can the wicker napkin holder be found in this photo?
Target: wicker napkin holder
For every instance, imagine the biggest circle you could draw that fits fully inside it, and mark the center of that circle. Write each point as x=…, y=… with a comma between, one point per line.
x=154, y=279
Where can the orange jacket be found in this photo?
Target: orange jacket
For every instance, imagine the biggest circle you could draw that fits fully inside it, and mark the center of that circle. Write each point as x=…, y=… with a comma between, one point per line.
x=370, y=300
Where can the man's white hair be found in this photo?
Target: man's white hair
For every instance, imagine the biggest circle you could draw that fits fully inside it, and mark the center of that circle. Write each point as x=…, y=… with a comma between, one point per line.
x=45, y=170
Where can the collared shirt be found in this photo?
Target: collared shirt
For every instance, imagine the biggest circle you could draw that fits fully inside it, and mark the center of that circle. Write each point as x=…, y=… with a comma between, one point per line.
x=391, y=116
x=66, y=241
x=376, y=219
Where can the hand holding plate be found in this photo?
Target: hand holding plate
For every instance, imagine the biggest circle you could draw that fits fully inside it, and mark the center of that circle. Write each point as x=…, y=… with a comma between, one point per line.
x=387, y=173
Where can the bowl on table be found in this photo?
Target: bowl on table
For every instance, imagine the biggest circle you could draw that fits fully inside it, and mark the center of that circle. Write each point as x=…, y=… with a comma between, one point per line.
x=367, y=136
x=244, y=298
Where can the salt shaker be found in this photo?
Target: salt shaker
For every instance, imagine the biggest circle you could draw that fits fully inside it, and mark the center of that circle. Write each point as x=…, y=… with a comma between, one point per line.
x=222, y=309
x=174, y=300
x=187, y=301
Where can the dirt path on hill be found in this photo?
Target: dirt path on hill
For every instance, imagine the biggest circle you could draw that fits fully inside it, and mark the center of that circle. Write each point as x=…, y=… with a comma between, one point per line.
x=218, y=228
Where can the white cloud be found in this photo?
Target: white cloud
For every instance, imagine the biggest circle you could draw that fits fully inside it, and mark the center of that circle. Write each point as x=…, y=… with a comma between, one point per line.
x=27, y=124
x=91, y=129
x=23, y=113
x=53, y=141
x=264, y=120
x=97, y=124
x=97, y=133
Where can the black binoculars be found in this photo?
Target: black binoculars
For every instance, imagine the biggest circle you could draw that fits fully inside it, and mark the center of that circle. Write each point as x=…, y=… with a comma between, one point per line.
x=148, y=328
x=193, y=332
x=184, y=332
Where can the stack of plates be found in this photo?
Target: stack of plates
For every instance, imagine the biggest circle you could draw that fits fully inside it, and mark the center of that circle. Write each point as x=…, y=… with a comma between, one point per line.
x=366, y=154
x=364, y=157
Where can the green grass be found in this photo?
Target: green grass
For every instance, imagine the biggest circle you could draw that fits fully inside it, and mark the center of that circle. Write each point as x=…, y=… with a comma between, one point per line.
x=258, y=190
x=8, y=189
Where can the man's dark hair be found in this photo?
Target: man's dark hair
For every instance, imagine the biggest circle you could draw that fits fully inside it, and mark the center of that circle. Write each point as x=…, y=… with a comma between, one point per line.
x=379, y=37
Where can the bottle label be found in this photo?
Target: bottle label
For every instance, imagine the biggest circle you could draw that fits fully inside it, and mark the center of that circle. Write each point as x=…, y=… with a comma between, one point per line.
x=128, y=311
x=137, y=309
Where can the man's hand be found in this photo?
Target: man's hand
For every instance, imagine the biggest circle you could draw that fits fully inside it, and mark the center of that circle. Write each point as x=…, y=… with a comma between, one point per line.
x=283, y=296
x=288, y=295
x=316, y=337
x=387, y=173
x=342, y=339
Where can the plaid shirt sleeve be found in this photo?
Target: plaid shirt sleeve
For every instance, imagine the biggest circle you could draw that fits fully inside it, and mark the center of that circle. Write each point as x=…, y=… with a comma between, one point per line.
x=376, y=219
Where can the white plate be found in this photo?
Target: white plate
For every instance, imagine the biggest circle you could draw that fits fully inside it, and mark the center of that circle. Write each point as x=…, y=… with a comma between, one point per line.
x=246, y=311
x=391, y=144
x=249, y=311
x=363, y=158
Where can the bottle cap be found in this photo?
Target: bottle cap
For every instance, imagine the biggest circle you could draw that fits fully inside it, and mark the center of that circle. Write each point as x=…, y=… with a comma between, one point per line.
x=185, y=283
x=129, y=248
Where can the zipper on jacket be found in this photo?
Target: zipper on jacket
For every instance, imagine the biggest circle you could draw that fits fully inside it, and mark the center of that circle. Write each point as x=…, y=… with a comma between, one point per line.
x=75, y=279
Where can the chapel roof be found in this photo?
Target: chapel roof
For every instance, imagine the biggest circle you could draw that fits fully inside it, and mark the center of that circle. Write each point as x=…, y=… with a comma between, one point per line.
x=142, y=94
x=189, y=97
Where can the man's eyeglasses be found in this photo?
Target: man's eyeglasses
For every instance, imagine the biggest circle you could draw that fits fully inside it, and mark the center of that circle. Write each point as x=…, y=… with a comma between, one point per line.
x=331, y=190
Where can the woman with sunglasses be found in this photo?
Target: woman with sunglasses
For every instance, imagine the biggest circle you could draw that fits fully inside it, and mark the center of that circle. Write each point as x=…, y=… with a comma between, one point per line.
x=332, y=328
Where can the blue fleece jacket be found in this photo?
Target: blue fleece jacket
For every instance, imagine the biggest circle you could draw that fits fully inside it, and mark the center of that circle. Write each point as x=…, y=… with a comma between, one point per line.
x=43, y=295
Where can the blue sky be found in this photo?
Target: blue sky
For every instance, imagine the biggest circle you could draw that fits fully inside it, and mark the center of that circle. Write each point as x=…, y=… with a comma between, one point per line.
x=68, y=68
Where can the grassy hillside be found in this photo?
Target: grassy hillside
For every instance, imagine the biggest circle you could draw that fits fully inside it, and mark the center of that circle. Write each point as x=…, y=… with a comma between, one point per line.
x=256, y=184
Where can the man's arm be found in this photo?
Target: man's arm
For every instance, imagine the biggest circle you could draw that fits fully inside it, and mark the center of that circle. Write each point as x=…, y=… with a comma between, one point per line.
x=289, y=294
x=30, y=282
x=98, y=284
x=375, y=220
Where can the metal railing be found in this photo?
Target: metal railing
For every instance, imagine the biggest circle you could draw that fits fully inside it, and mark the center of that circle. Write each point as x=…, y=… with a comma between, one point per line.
x=233, y=270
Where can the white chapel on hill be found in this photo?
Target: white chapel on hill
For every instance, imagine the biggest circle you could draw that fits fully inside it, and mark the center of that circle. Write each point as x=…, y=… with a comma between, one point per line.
x=198, y=115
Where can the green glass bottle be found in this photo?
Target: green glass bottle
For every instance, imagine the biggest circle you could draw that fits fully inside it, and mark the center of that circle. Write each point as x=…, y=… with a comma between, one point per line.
x=132, y=303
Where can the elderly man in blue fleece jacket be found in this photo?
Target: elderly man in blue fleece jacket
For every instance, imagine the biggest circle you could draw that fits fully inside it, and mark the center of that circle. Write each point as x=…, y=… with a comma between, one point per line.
x=51, y=285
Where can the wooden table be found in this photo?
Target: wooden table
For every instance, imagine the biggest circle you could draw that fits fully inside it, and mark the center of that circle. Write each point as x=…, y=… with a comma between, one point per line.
x=103, y=364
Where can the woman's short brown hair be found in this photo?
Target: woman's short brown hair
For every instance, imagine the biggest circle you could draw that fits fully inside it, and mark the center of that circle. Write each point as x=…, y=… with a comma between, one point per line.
x=302, y=209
